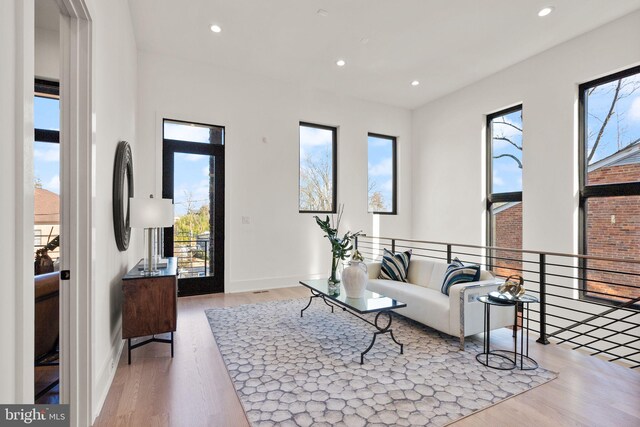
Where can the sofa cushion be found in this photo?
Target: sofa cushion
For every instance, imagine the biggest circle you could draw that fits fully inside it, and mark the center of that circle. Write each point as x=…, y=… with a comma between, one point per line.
x=424, y=305
x=468, y=273
x=420, y=271
x=395, y=266
x=437, y=275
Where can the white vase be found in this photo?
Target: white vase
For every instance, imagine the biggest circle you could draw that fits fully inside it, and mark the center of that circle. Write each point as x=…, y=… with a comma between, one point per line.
x=354, y=279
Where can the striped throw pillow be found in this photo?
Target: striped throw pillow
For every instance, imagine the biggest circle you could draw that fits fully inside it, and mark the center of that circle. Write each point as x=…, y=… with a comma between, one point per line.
x=395, y=266
x=456, y=263
x=467, y=273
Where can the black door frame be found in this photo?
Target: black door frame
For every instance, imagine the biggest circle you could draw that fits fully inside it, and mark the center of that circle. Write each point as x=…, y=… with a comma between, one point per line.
x=208, y=284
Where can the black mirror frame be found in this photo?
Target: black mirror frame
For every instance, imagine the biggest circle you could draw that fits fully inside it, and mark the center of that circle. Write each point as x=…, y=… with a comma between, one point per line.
x=123, y=170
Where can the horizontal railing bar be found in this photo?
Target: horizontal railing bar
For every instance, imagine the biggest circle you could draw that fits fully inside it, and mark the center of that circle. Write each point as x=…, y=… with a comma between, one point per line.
x=593, y=280
x=586, y=312
x=590, y=302
x=611, y=335
x=578, y=267
x=526, y=251
x=590, y=291
x=421, y=249
x=578, y=334
x=591, y=336
x=608, y=355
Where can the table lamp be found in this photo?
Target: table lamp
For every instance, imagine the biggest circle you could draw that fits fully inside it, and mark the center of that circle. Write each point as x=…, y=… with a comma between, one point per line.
x=150, y=214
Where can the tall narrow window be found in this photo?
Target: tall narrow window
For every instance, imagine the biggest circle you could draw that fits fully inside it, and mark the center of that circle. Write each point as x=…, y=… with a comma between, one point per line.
x=317, y=168
x=382, y=174
x=504, y=200
x=610, y=184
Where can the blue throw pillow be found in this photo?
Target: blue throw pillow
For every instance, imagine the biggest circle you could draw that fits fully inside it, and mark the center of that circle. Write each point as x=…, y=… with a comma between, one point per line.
x=395, y=266
x=464, y=274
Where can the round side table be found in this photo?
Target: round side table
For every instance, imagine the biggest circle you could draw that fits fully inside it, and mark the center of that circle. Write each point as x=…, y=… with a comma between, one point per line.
x=508, y=359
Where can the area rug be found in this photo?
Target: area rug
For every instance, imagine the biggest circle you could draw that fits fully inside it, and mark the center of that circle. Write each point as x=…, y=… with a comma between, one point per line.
x=294, y=371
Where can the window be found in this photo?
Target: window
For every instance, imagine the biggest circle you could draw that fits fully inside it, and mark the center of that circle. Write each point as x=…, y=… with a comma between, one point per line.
x=46, y=166
x=504, y=182
x=610, y=183
x=381, y=190
x=318, y=175
x=193, y=132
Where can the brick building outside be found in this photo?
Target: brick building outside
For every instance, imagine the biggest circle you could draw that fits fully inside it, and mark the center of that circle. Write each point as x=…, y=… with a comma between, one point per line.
x=612, y=229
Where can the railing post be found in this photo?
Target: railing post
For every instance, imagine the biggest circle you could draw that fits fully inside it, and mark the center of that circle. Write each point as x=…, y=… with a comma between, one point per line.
x=449, y=253
x=393, y=245
x=543, y=300
x=355, y=243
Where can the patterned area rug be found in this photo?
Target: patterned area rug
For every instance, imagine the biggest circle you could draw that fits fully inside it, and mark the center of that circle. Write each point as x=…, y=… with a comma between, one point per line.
x=306, y=371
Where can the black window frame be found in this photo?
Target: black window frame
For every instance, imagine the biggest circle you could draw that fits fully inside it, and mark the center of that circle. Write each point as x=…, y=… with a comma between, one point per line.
x=514, y=196
x=597, y=190
x=394, y=174
x=334, y=167
x=46, y=89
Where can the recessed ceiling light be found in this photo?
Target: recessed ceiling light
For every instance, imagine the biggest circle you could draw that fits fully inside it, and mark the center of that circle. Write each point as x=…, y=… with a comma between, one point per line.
x=322, y=12
x=545, y=11
x=216, y=28
x=341, y=63
x=415, y=83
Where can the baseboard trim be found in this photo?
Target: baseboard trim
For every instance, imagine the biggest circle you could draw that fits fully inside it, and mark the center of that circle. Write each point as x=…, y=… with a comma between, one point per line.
x=263, y=284
x=106, y=376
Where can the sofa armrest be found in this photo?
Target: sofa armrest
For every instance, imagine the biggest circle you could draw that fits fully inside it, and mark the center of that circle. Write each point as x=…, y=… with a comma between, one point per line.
x=373, y=268
x=466, y=312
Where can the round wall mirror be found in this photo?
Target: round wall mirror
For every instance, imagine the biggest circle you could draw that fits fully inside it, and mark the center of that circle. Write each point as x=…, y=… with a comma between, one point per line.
x=122, y=191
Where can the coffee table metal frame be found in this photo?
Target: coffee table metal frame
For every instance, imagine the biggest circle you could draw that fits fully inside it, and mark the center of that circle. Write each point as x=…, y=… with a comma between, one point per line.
x=384, y=329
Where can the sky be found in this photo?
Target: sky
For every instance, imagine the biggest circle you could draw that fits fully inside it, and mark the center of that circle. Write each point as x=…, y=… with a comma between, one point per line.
x=318, y=144
x=191, y=171
x=624, y=125
x=380, y=169
x=507, y=175
x=46, y=155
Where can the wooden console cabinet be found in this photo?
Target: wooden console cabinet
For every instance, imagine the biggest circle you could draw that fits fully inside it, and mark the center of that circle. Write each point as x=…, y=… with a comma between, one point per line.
x=149, y=305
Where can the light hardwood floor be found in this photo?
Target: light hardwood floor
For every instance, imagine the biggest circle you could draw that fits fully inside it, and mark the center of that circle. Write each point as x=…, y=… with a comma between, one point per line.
x=194, y=389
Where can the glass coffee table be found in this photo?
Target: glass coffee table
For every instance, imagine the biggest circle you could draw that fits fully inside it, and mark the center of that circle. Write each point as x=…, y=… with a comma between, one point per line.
x=371, y=302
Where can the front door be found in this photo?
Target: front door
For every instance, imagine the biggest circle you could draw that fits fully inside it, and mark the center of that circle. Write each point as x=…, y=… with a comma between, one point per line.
x=193, y=176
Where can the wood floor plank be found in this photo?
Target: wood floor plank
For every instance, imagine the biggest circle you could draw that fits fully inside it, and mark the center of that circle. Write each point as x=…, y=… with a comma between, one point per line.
x=194, y=388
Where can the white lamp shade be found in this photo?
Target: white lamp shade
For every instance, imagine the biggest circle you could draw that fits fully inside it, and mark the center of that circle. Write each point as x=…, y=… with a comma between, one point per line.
x=150, y=213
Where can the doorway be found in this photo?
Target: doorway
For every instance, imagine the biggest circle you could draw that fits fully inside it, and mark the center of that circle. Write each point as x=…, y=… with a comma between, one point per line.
x=193, y=177
x=46, y=227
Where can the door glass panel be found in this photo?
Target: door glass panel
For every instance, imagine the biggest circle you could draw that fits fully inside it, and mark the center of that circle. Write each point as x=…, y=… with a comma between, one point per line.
x=192, y=132
x=193, y=231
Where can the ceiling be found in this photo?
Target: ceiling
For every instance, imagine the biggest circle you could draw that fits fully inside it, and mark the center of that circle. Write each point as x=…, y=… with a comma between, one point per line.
x=386, y=44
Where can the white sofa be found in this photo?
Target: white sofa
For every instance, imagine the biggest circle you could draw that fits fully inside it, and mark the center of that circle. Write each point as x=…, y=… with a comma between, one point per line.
x=459, y=314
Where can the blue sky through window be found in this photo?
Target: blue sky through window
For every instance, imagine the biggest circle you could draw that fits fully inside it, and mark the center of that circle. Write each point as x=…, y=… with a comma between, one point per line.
x=191, y=182
x=380, y=172
x=623, y=127
x=46, y=155
x=506, y=132
x=316, y=169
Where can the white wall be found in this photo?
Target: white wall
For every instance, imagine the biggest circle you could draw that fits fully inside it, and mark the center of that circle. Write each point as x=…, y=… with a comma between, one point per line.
x=280, y=245
x=16, y=193
x=449, y=143
x=114, y=102
x=47, y=54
